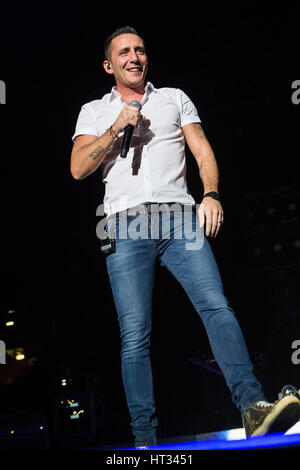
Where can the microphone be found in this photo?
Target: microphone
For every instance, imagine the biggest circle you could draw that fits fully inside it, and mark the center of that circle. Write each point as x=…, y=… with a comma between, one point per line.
x=128, y=131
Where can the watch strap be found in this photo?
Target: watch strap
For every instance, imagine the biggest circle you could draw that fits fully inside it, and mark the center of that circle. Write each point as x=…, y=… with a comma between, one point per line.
x=212, y=194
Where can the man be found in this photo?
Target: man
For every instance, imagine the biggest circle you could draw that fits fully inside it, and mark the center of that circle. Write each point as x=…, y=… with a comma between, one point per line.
x=154, y=173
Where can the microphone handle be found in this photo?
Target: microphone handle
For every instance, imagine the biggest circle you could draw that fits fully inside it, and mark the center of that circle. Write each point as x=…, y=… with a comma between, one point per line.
x=126, y=140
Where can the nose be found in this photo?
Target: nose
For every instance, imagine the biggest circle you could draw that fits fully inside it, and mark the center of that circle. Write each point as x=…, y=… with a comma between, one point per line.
x=133, y=56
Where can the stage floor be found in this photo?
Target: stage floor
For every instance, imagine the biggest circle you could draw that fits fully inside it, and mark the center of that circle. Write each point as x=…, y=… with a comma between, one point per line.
x=224, y=440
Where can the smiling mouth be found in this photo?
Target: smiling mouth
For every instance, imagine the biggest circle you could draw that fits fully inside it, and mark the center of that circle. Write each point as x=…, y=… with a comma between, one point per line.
x=135, y=69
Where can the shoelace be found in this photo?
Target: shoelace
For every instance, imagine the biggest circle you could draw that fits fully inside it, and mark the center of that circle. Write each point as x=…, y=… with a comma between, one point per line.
x=263, y=404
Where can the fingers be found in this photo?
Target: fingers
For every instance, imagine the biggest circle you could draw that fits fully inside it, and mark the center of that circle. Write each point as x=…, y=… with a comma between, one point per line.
x=132, y=114
x=212, y=216
x=218, y=218
x=128, y=115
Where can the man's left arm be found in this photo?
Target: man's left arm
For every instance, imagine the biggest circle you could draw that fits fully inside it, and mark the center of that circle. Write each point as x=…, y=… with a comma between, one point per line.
x=210, y=211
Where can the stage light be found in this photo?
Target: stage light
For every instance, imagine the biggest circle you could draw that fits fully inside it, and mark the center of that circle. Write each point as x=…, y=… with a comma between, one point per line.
x=10, y=323
x=74, y=404
x=19, y=356
x=235, y=434
x=76, y=414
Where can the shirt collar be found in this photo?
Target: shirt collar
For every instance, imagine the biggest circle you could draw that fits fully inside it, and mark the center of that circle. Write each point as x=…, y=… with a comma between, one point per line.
x=149, y=88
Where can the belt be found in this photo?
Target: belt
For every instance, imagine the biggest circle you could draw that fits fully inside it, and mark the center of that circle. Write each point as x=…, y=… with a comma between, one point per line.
x=147, y=208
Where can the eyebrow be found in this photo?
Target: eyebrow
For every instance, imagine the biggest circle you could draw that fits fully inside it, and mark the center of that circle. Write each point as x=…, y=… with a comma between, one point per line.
x=124, y=49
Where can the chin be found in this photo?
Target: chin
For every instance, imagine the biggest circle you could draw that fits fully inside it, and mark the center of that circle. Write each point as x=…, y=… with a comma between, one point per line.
x=137, y=83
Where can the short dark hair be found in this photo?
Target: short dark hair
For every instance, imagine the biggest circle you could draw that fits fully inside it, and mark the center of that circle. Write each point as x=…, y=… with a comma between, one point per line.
x=117, y=32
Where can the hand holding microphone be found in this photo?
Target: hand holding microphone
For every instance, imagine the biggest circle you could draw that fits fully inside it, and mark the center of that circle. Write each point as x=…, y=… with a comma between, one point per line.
x=127, y=120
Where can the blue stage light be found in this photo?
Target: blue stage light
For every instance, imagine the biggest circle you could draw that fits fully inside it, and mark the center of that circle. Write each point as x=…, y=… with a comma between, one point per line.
x=267, y=441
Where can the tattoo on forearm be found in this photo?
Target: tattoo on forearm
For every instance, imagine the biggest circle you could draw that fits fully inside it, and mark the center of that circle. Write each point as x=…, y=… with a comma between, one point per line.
x=98, y=152
x=202, y=135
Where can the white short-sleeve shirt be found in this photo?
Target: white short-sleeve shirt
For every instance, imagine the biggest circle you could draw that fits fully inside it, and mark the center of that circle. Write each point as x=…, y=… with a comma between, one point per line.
x=155, y=167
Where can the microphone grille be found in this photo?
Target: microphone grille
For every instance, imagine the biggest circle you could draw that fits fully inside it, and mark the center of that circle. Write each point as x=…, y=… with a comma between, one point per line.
x=135, y=103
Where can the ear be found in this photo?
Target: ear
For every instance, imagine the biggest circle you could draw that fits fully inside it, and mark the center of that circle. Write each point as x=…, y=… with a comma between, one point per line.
x=107, y=67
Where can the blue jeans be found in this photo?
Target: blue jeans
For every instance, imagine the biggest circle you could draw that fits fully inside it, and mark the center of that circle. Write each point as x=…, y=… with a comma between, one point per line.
x=182, y=247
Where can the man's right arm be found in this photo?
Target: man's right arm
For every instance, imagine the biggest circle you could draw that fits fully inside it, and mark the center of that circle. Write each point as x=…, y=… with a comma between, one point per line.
x=89, y=151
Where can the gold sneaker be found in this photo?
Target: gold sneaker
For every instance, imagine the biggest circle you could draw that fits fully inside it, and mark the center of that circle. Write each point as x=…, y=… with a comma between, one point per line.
x=263, y=417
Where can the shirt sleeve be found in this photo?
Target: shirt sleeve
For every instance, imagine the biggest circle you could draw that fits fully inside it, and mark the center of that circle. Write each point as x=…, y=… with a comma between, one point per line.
x=188, y=111
x=86, y=123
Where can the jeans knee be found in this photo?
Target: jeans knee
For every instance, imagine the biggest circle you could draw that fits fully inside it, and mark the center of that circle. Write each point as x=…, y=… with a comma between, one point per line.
x=135, y=346
x=218, y=315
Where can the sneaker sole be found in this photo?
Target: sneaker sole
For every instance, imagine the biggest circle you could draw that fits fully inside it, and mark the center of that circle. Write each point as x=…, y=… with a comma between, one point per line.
x=284, y=415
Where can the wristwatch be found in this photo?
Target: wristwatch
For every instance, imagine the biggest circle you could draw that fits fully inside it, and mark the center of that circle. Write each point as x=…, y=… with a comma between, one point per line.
x=212, y=194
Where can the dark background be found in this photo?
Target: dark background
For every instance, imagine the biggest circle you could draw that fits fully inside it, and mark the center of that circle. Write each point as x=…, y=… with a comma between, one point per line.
x=237, y=64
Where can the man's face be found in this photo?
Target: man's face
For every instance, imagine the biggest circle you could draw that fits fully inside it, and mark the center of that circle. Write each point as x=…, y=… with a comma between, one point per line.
x=129, y=61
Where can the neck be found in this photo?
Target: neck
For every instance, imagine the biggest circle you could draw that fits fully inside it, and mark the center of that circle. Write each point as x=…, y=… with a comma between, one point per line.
x=130, y=94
